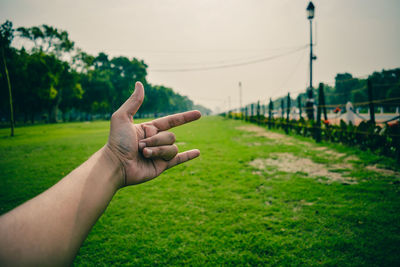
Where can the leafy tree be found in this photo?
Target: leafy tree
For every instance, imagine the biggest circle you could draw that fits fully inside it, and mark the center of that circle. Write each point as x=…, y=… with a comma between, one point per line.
x=205, y=111
x=125, y=73
x=6, y=37
x=98, y=90
x=71, y=92
x=51, y=75
x=82, y=62
x=47, y=39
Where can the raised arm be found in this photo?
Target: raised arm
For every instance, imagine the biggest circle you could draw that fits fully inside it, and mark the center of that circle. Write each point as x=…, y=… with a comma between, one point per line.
x=50, y=228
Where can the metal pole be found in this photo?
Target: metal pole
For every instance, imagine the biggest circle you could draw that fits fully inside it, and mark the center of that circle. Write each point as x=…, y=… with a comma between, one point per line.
x=371, y=102
x=299, y=104
x=311, y=55
x=320, y=103
x=310, y=98
x=240, y=94
x=288, y=113
x=270, y=108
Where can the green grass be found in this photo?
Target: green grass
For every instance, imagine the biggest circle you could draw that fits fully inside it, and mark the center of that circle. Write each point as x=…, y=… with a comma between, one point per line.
x=216, y=210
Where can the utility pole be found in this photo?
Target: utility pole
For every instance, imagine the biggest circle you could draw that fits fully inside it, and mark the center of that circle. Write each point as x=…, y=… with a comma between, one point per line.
x=299, y=105
x=310, y=98
x=371, y=102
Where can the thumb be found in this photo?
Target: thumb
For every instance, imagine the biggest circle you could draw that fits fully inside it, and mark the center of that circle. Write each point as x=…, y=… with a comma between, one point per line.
x=133, y=103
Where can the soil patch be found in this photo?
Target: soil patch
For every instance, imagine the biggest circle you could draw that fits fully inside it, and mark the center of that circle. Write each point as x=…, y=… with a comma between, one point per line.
x=352, y=158
x=330, y=152
x=288, y=162
x=262, y=132
x=385, y=172
x=287, y=140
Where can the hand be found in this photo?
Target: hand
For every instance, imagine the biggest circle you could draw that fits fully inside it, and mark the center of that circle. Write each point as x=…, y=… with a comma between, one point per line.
x=145, y=150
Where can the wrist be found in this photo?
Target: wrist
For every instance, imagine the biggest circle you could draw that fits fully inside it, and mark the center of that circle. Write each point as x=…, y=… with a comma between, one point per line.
x=114, y=166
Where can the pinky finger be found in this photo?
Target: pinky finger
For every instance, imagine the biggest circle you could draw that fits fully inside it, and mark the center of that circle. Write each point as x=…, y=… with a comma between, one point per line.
x=183, y=157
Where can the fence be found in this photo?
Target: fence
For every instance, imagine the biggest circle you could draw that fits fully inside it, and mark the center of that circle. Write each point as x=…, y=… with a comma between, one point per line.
x=383, y=138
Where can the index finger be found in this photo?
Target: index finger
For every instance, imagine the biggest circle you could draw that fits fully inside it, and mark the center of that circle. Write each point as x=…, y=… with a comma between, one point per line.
x=171, y=121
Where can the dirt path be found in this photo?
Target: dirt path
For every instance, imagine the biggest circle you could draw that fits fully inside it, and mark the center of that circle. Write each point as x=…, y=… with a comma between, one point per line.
x=288, y=162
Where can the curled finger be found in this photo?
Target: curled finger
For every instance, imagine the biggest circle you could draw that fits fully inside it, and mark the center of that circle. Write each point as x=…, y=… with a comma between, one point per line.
x=164, y=152
x=160, y=139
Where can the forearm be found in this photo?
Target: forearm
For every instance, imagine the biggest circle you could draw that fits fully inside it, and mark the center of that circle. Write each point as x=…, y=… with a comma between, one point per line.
x=49, y=229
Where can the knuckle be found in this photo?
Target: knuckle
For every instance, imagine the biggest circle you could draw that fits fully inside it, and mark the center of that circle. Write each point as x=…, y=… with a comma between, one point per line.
x=179, y=159
x=174, y=121
x=156, y=151
x=116, y=115
x=172, y=137
x=175, y=149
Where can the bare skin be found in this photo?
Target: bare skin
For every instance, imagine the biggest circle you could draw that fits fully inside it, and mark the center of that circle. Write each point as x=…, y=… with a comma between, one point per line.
x=50, y=228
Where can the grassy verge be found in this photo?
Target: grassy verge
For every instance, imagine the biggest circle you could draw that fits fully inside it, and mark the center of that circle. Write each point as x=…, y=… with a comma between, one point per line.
x=218, y=209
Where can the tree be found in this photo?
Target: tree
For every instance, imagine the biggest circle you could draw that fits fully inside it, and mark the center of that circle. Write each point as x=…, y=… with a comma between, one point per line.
x=6, y=37
x=125, y=73
x=47, y=39
x=50, y=44
x=50, y=75
x=98, y=91
x=71, y=92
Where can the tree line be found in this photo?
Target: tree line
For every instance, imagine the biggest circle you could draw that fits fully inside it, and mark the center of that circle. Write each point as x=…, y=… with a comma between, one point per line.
x=52, y=79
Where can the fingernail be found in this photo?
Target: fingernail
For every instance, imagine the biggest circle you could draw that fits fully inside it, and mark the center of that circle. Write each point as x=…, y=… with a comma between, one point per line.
x=149, y=152
x=142, y=145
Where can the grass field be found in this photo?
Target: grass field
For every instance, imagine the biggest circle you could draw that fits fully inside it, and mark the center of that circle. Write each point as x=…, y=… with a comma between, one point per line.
x=252, y=198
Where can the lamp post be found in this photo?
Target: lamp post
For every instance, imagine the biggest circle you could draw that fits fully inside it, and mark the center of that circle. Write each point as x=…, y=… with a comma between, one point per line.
x=310, y=99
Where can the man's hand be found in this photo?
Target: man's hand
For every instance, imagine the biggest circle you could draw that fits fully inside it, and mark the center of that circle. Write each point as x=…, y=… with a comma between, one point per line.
x=145, y=150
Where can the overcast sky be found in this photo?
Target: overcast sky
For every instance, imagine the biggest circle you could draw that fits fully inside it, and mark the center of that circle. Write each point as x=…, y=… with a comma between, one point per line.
x=356, y=36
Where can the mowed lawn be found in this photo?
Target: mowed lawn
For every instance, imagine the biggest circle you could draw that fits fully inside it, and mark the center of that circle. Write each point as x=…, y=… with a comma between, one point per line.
x=235, y=205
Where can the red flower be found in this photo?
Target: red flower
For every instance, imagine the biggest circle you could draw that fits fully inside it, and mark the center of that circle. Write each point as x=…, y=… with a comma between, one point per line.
x=337, y=110
x=326, y=122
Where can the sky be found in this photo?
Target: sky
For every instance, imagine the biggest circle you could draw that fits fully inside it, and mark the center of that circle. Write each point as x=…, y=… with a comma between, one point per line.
x=189, y=44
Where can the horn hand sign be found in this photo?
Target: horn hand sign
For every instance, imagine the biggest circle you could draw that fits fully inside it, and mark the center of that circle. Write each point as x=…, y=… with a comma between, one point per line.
x=145, y=150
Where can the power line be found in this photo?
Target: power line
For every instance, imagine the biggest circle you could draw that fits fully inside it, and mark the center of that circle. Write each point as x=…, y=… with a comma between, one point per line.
x=224, y=66
x=296, y=66
x=214, y=62
x=192, y=51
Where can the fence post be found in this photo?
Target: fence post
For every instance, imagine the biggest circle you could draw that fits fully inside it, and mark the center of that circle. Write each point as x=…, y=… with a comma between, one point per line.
x=288, y=103
x=270, y=108
x=371, y=102
x=281, y=122
x=299, y=105
x=263, y=110
x=323, y=104
x=320, y=103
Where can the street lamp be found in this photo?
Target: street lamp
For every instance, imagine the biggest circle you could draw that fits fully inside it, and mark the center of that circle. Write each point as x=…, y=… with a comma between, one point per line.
x=310, y=10
x=310, y=99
